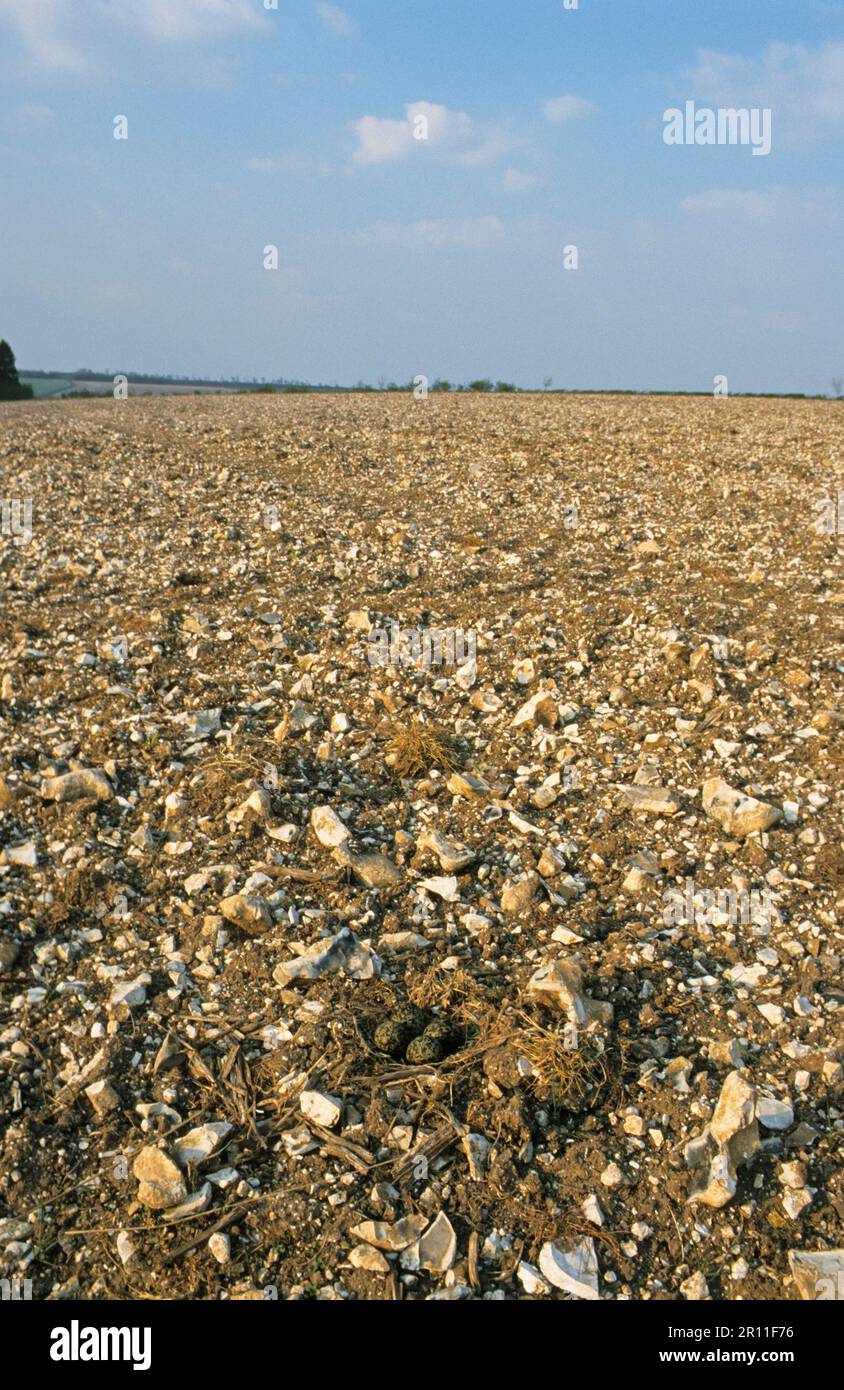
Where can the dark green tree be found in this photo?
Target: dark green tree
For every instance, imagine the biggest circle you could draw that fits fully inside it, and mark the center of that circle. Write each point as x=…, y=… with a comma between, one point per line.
x=11, y=388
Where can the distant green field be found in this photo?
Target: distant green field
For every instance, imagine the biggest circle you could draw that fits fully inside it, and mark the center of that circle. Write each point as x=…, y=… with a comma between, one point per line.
x=48, y=385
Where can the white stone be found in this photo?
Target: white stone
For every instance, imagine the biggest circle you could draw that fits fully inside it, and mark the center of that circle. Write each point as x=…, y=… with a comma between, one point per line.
x=161, y=1184
x=24, y=855
x=257, y=806
x=540, y=709
x=452, y=857
x=198, y=882
x=445, y=888
x=341, y=952
x=737, y=814
x=574, y=1271
x=132, y=993
x=195, y=1202
x=655, y=801
x=612, y=1176
x=248, y=912
x=774, y=1114
x=695, y=1288
x=220, y=1247
x=438, y=1246
x=328, y=827
x=322, y=1109
x=102, y=1096
x=559, y=984
x=531, y=1280
x=368, y=1258
x=126, y=1249
x=200, y=1143
x=392, y=1237
x=476, y=1148
x=796, y=1202
x=591, y=1209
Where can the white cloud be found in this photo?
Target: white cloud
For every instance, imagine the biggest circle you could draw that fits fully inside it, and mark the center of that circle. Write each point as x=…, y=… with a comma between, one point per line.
x=434, y=233
x=492, y=143
x=61, y=35
x=30, y=118
x=458, y=138
x=34, y=112
x=335, y=19
x=804, y=87
x=192, y=20
x=776, y=208
x=518, y=181
x=292, y=162
x=42, y=28
x=380, y=140
x=425, y=123
x=559, y=110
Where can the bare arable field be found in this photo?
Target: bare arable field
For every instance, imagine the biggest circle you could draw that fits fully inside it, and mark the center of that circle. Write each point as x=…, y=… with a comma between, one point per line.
x=333, y=965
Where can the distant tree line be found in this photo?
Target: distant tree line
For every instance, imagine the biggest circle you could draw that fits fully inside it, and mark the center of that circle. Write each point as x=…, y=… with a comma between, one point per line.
x=258, y=384
x=11, y=387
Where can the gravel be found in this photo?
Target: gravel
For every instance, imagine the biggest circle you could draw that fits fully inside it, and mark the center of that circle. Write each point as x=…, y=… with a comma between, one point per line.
x=344, y=976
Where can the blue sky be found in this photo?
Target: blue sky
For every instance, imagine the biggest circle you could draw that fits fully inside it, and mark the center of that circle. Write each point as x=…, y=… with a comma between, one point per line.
x=397, y=256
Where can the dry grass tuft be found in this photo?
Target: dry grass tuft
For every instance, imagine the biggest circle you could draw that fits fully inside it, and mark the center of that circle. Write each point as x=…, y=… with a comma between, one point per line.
x=222, y=780
x=415, y=748
x=570, y=1078
x=436, y=988
x=76, y=895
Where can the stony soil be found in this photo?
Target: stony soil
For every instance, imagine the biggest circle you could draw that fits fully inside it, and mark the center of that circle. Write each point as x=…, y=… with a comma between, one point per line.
x=190, y=621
